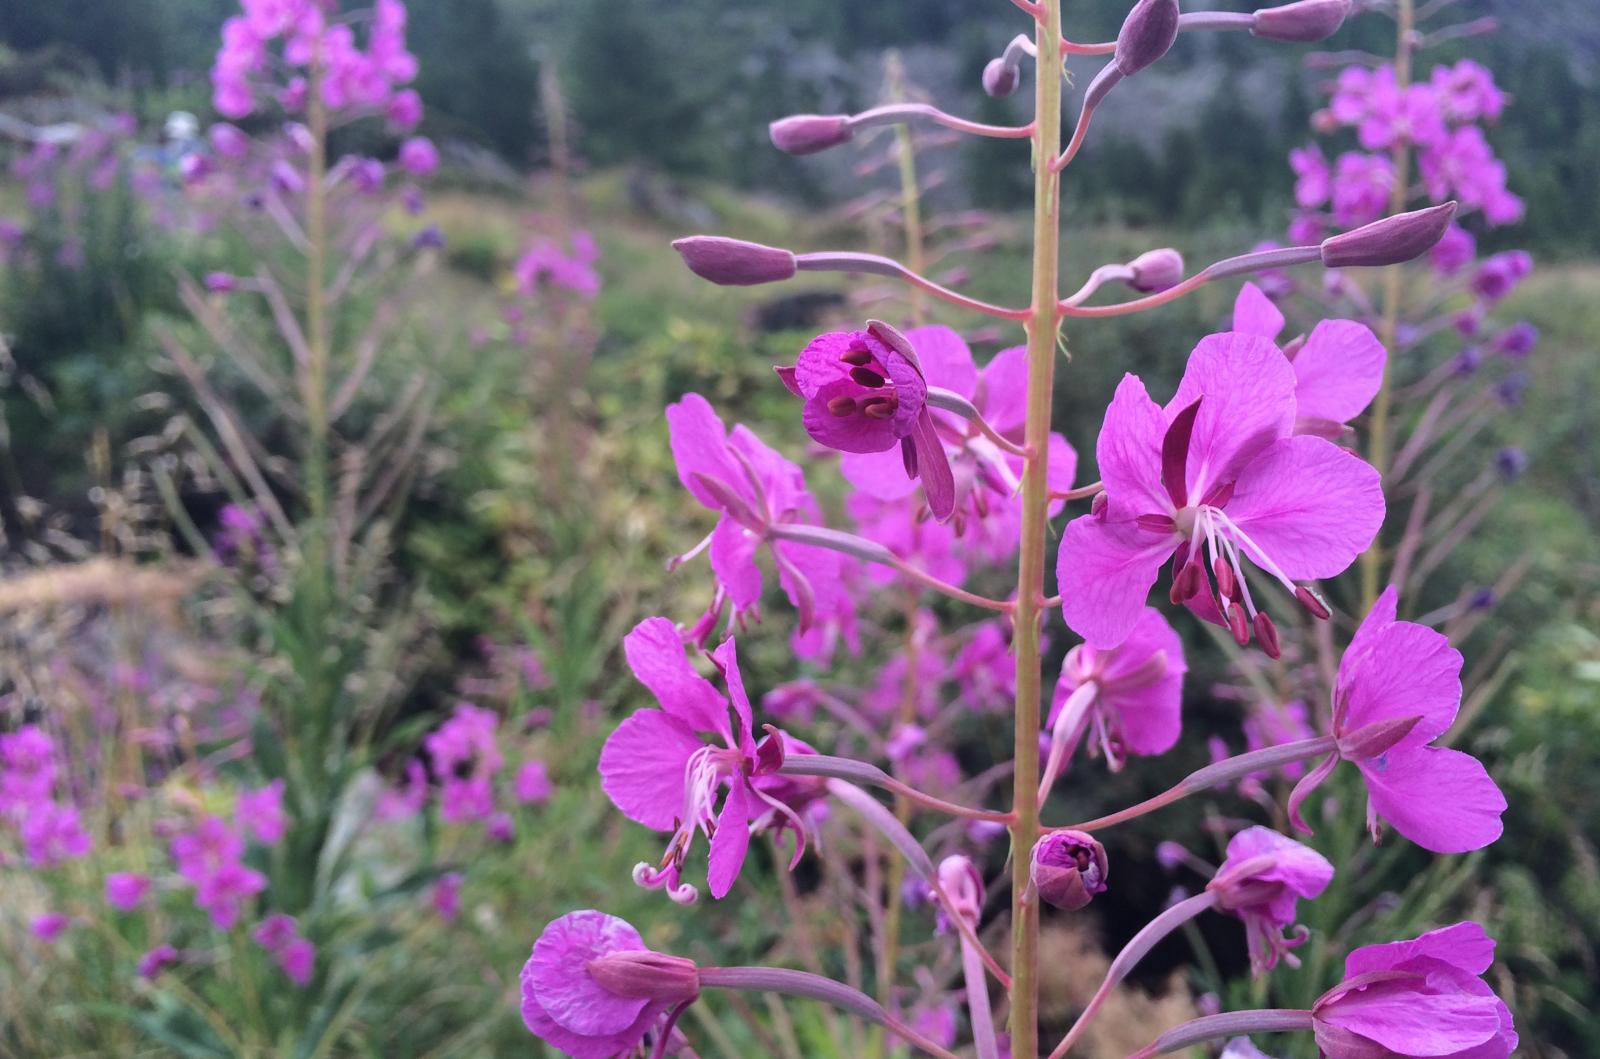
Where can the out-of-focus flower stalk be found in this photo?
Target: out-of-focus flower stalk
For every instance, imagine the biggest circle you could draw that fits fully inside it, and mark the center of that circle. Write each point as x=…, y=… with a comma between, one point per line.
x=1389, y=327
x=315, y=385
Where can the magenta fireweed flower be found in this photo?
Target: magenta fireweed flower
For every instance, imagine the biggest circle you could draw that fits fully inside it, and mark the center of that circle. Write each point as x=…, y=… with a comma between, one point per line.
x=465, y=756
x=276, y=931
x=987, y=509
x=446, y=896
x=1215, y=475
x=126, y=890
x=50, y=926
x=418, y=156
x=865, y=392
x=532, y=785
x=27, y=767
x=1313, y=179
x=753, y=489
x=1467, y=92
x=1417, y=999
x=296, y=957
x=594, y=990
x=659, y=772
x=158, y=959
x=52, y=832
x=407, y=799
x=260, y=812
x=544, y=263
x=208, y=856
x=1126, y=699
x=1361, y=188
x=1454, y=252
x=1260, y=881
x=1338, y=368
x=1398, y=690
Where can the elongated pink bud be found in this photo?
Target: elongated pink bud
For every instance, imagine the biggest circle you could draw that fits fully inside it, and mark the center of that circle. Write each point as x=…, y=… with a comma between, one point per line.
x=1390, y=241
x=1146, y=35
x=1302, y=22
x=734, y=262
x=1156, y=270
x=1068, y=869
x=802, y=134
x=642, y=973
x=1001, y=78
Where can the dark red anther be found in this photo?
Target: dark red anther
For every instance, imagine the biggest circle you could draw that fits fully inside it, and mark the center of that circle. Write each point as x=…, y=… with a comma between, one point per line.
x=842, y=406
x=867, y=377
x=879, y=407
x=1238, y=624
x=1227, y=584
x=1312, y=602
x=1175, y=454
x=1187, y=582
x=1267, y=635
x=980, y=503
x=857, y=357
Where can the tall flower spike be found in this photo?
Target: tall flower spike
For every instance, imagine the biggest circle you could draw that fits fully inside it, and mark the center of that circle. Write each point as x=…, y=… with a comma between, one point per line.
x=1398, y=689
x=659, y=772
x=1213, y=479
x=1417, y=999
x=1260, y=881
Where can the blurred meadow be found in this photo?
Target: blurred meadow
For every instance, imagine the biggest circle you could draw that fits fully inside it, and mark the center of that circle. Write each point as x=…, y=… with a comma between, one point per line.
x=505, y=503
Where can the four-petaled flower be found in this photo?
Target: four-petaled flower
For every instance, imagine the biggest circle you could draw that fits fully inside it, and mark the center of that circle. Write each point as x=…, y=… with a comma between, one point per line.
x=1417, y=999
x=865, y=391
x=1217, y=475
x=1398, y=690
x=754, y=489
x=658, y=770
x=1128, y=698
x=1260, y=881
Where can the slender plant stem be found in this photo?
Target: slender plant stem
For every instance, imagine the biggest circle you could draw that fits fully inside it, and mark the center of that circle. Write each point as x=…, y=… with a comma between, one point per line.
x=1044, y=324
x=1389, y=328
x=316, y=369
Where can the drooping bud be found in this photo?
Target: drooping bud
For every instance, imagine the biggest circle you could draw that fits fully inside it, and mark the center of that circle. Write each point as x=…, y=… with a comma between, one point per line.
x=963, y=886
x=1146, y=35
x=1156, y=270
x=1301, y=22
x=734, y=262
x=1001, y=78
x=648, y=975
x=1068, y=869
x=801, y=134
x=1390, y=241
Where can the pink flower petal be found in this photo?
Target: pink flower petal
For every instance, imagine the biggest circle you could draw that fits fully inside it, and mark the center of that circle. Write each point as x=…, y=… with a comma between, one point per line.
x=1380, y=617
x=1309, y=505
x=642, y=766
x=1254, y=313
x=1005, y=390
x=1411, y=670
x=849, y=433
x=1105, y=570
x=655, y=652
x=1464, y=945
x=699, y=445
x=563, y=986
x=1443, y=800
x=1338, y=371
x=732, y=840
x=878, y=474
x=1248, y=388
x=1411, y=1023
x=1129, y=452
x=733, y=560
x=946, y=360
x=727, y=658
x=1152, y=715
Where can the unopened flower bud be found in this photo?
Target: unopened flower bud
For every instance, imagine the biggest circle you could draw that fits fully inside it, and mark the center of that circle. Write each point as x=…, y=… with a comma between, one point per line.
x=651, y=975
x=734, y=262
x=1390, y=241
x=1302, y=22
x=1156, y=270
x=1146, y=35
x=809, y=133
x=221, y=282
x=963, y=886
x=1069, y=868
x=1001, y=78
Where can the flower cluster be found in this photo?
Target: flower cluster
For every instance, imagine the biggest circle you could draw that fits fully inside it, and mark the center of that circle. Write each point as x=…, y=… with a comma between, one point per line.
x=48, y=827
